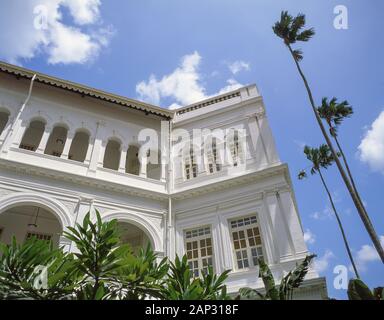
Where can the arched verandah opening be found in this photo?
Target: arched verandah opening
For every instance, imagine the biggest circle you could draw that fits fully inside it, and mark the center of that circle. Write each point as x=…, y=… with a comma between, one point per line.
x=134, y=236
x=25, y=221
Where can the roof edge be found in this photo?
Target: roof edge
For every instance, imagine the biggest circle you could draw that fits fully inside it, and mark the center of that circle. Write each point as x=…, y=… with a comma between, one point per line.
x=85, y=90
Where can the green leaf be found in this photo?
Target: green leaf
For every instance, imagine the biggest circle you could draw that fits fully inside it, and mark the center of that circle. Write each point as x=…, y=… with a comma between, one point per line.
x=358, y=290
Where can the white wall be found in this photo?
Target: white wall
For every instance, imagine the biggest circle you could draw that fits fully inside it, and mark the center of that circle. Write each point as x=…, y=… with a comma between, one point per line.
x=260, y=187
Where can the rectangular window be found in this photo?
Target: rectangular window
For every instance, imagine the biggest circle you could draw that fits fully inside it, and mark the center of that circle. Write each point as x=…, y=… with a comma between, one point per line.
x=1, y=232
x=246, y=241
x=198, y=245
x=27, y=147
x=39, y=236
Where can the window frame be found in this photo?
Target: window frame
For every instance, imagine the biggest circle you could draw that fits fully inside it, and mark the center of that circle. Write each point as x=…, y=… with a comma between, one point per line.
x=235, y=144
x=248, y=248
x=201, y=266
x=38, y=234
x=190, y=167
x=212, y=155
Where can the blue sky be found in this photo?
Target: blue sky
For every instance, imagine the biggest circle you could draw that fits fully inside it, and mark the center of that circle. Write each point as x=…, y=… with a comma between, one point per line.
x=115, y=45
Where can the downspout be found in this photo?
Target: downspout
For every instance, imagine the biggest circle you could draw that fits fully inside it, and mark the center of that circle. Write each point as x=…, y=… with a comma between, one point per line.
x=170, y=224
x=10, y=132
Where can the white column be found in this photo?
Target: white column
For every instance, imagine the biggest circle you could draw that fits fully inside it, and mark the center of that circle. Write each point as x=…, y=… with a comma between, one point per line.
x=163, y=176
x=143, y=166
x=269, y=232
x=123, y=158
x=267, y=138
x=14, y=135
x=95, y=149
x=44, y=140
x=67, y=145
x=259, y=151
x=100, y=146
x=87, y=159
x=278, y=220
x=293, y=221
x=6, y=130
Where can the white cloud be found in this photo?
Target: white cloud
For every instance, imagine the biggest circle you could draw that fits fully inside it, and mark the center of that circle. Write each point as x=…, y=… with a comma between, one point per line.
x=39, y=29
x=70, y=45
x=84, y=11
x=183, y=85
x=327, y=212
x=239, y=65
x=371, y=148
x=300, y=145
x=232, y=84
x=321, y=264
x=309, y=237
x=366, y=254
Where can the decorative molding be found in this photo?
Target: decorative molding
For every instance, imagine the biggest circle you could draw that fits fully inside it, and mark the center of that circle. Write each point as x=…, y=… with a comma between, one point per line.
x=28, y=198
x=146, y=225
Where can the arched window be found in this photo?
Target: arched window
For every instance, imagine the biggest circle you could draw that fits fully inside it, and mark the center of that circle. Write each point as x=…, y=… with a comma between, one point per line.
x=112, y=155
x=32, y=135
x=133, y=163
x=4, y=117
x=56, y=141
x=79, y=146
x=236, y=141
x=190, y=165
x=213, y=156
x=154, y=169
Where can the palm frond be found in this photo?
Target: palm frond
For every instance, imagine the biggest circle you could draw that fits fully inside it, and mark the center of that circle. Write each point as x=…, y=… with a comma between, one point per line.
x=305, y=35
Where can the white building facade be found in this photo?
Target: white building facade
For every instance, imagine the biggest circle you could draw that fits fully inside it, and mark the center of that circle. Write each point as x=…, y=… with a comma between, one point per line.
x=204, y=180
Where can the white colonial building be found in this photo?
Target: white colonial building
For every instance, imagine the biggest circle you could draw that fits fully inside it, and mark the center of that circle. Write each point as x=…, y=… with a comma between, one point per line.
x=220, y=194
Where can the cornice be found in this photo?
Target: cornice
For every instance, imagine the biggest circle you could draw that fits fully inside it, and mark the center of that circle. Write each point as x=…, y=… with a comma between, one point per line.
x=232, y=182
x=80, y=179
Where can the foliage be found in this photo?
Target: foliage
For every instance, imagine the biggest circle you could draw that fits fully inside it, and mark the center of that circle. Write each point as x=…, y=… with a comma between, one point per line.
x=21, y=265
x=288, y=284
x=142, y=278
x=358, y=290
x=99, y=256
x=181, y=286
x=290, y=30
x=334, y=113
x=322, y=158
x=100, y=268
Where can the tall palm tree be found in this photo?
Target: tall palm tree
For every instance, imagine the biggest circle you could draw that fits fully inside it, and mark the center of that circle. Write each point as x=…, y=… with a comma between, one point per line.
x=322, y=158
x=291, y=31
x=334, y=113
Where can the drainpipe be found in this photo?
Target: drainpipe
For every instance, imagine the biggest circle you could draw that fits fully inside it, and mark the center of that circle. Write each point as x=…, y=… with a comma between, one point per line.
x=10, y=132
x=170, y=224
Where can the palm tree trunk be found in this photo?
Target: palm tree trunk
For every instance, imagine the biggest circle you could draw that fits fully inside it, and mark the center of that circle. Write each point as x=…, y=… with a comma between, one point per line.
x=340, y=224
x=359, y=206
x=349, y=173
